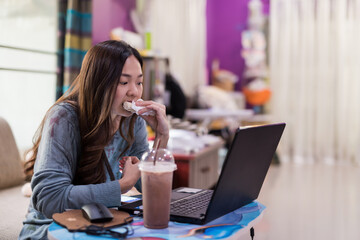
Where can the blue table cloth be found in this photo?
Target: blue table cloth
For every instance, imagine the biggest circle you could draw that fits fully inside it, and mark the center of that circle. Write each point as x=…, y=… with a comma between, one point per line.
x=230, y=224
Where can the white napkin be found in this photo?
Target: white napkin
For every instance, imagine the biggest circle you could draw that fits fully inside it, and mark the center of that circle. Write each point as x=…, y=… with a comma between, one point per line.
x=138, y=108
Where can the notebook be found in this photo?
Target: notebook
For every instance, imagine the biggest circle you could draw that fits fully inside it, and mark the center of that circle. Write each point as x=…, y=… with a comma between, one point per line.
x=242, y=176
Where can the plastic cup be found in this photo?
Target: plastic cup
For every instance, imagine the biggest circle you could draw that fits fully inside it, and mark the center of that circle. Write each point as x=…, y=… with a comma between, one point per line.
x=156, y=181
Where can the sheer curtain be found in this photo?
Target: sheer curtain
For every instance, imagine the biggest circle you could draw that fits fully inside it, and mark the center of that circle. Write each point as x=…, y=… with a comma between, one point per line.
x=179, y=31
x=315, y=78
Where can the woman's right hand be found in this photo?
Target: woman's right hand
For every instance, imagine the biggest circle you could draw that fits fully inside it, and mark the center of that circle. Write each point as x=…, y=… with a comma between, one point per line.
x=158, y=123
x=130, y=173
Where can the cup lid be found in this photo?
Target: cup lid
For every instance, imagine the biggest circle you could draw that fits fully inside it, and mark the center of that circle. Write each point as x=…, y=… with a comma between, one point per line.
x=157, y=160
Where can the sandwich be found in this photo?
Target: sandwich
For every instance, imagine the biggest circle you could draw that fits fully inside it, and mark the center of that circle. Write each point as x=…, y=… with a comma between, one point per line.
x=128, y=107
x=131, y=107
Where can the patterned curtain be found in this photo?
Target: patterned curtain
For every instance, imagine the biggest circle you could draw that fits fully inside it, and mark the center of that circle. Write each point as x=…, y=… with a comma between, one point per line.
x=74, y=39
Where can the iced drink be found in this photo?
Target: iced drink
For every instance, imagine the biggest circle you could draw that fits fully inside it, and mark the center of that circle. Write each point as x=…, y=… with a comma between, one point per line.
x=156, y=187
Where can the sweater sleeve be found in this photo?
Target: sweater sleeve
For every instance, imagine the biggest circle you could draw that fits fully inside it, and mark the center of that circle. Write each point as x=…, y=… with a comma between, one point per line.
x=140, y=145
x=55, y=167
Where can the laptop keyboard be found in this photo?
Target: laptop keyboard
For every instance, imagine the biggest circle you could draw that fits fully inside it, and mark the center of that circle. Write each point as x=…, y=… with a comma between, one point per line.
x=192, y=203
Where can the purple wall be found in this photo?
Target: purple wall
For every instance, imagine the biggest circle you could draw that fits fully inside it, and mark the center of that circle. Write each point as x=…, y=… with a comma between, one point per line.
x=109, y=14
x=226, y=20
x=266, y=4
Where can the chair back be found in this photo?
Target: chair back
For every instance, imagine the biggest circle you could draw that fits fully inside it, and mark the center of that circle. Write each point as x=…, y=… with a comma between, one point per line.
x=11, y=170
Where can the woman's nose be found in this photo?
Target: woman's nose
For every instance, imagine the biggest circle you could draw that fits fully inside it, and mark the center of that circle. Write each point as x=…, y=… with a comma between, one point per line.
x=133, y=91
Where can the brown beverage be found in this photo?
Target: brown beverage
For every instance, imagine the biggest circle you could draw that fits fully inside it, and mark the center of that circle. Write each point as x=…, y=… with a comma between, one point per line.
x=156, y=188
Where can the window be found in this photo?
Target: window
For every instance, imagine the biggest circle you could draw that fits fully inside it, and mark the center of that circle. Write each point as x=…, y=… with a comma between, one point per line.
x=27, y=64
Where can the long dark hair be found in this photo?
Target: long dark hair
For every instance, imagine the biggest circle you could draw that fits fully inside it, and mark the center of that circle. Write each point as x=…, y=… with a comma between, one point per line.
x=92, y=94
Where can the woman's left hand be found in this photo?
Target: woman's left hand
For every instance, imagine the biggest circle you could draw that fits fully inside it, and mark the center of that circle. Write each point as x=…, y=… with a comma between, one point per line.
x=158, y=122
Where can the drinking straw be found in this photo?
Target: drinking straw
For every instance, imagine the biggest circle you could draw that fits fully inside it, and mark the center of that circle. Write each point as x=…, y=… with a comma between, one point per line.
x=156, y=147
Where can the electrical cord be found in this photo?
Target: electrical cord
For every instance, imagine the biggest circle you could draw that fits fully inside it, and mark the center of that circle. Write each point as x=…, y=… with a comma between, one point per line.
x=252, y=233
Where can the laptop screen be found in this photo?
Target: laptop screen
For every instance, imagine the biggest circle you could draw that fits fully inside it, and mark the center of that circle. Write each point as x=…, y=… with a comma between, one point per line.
x=245, y=168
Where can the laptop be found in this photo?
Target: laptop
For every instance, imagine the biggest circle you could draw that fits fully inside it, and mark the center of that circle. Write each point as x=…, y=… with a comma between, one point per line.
x=242, y=175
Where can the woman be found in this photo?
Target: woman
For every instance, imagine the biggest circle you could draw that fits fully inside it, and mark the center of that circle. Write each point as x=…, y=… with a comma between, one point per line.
x=86, y=132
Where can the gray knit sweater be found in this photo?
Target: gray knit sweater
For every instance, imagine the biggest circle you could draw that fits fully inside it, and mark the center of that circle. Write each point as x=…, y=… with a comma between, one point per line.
x=54, y=170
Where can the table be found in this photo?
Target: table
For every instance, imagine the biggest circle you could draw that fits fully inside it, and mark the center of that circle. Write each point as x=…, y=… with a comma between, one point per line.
x=240, y=221
x=211, y=114
x=199, y=169
x=207, y=116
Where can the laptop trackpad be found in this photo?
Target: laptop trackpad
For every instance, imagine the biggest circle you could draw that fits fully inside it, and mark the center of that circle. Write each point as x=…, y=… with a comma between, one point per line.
x=183, y=192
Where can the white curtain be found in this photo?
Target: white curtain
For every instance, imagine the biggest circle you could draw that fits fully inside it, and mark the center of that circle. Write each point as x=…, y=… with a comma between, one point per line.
x=178, y=31
x=315, y=78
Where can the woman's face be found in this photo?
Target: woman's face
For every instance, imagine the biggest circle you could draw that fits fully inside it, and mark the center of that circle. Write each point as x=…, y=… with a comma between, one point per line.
x=129, y=88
